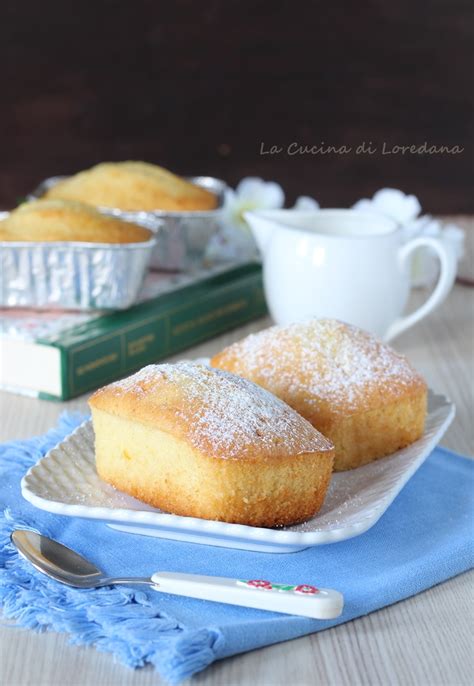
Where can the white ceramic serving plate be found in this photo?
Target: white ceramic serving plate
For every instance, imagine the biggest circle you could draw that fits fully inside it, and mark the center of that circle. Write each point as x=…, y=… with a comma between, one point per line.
x=65, y=482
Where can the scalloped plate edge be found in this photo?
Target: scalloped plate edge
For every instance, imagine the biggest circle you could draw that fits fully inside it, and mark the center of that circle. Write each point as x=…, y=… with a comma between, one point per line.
x=224, y=533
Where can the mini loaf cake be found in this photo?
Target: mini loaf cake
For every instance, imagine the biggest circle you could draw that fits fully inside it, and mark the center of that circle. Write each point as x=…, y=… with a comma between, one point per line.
x=133, y=186
x=366, y=398
x=61, y=220
x=201, y=442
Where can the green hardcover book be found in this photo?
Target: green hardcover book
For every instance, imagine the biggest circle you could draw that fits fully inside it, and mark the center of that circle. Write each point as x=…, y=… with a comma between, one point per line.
x=60, y=356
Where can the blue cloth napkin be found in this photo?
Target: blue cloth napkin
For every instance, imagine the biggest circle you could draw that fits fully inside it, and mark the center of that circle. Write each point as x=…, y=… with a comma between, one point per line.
x=424, y=538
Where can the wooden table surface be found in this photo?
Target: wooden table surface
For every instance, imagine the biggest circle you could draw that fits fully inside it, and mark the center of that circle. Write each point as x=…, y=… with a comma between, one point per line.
x=425, y=640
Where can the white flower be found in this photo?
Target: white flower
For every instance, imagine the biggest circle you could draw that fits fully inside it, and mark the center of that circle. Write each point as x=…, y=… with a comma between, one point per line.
x=454, y=236
x=251, y=194
x=405, y=209
x=428, y=226
x=392, y=202
x=306, y=204
x=422, y=226
x=424, y=264
x=231, y=245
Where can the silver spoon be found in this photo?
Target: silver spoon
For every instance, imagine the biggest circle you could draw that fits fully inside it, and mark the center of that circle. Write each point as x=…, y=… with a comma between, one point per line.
x=63, y=564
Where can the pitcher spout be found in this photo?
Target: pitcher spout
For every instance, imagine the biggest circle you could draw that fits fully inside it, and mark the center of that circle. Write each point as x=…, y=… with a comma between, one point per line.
x=262, y=229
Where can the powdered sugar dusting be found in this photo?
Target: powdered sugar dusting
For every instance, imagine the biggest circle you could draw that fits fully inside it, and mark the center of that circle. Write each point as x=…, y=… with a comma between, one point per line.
x=323, y=360
x=224, y=413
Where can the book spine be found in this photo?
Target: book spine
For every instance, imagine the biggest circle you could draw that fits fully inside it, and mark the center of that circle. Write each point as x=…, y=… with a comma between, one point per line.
x=89, y=365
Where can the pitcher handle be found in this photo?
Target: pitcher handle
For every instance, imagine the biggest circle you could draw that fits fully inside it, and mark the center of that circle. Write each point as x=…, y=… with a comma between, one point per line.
x=448, y=268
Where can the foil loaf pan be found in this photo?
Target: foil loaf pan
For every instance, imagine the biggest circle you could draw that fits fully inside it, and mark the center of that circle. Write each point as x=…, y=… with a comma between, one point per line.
x=72, y=275
x=184, y=236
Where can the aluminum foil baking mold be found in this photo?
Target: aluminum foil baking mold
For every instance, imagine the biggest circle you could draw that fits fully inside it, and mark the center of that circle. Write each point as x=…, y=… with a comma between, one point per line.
x=70, y=275
x=184, y=236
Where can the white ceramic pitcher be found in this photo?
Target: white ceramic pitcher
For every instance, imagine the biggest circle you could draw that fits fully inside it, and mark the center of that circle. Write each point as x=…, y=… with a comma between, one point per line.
x=350, y=265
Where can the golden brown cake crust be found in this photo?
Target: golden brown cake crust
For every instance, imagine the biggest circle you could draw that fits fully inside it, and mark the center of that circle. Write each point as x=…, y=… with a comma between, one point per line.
x=204, y=443
x=284, y=508
x=220, y=414
x=329, y=371
x=322, y=365
x=135, y=459
x=134, y=186
x=61, y=220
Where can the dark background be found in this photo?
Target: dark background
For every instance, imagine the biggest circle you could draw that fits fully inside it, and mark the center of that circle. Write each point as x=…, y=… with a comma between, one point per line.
x=198, y=86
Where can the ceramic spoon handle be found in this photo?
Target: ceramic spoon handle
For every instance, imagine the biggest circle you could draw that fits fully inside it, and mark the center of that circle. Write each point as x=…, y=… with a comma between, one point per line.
x=304, y=600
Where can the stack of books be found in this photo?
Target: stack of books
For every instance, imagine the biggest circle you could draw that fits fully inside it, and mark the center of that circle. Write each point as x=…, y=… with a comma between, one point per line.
x=60, y=355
